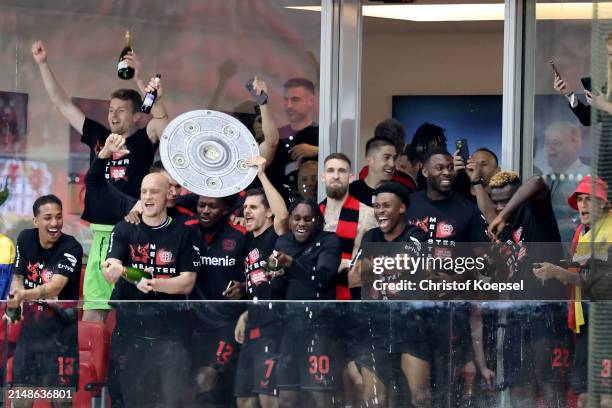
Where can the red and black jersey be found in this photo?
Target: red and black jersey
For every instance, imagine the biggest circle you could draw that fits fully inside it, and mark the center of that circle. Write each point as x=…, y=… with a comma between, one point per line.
x=37, y=266
x=124, y=171
x=259, y=285
x=222, y=261
x=168, y=249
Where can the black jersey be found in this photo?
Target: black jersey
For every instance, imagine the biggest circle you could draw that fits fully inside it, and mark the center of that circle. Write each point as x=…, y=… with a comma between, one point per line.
x=124, y=171
x=362, y=192
x=259, y=285
x=37, y=266
x=168, y=249
x=533, y=236
x=447, y=222
x=222, y=261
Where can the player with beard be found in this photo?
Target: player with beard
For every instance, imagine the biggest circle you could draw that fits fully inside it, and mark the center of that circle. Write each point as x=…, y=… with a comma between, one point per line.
x=377, y=359
x=150, y=339
x=266, y=216
x=346, y=216
x=213, y=341
x=528, y=233
x=447, y=218
x=47, y=268
x=124, y=171
x=381, y=154
x=310, y=258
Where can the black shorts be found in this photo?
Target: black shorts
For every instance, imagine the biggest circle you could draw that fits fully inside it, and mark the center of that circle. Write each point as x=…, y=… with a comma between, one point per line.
x=386, y=366
x=45, y=363
x=580, y=371
x=306, y=359
x=440, y=331
x=537, y=345
x=256, y=373
x=154, y=371
x=217, y=349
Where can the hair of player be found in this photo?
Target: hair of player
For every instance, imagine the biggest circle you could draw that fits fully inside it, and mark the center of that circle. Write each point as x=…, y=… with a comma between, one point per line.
x=128, y=95
x=505, y=178
x=303, y=82
x=392, y=129
x=435, y=152
x=396, y=188
x=338, y=156
x=313, y=206
x=253, y=192
x=157, y=167
x=46, y=199
x=427, y=137
x=484, y=149
x=376, y=143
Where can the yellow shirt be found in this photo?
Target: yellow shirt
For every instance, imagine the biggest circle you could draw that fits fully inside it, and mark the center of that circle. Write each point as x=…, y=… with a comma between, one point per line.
x=592, y=244
x=7, y=250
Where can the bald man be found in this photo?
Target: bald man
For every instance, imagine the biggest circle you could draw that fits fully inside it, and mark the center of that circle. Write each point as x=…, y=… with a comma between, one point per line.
x=149, y=343
x=562, y=144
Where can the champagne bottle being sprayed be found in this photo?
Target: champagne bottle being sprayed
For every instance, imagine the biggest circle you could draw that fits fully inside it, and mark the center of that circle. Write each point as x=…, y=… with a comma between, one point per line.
x=124, y=71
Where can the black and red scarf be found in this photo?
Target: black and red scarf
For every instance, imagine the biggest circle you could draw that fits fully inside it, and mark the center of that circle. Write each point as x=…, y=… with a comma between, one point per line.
x=346, y=230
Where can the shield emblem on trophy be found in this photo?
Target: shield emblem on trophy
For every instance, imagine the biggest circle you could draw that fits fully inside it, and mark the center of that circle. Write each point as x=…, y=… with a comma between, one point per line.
x=207, y=151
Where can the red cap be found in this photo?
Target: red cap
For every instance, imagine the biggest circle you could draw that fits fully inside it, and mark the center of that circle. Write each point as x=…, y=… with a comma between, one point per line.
x=584, y=187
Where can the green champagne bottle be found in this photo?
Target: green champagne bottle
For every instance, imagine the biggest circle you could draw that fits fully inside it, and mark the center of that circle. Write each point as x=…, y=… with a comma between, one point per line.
x=272, y=263
x=123, y=69
x=135, y=274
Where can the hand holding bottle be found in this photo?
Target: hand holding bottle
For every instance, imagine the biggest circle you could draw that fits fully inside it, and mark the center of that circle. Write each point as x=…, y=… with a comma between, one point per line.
x=154, y=92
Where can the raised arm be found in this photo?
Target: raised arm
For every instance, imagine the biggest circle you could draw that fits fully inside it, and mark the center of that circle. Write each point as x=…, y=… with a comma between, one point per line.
x=277, y=204
x=54, y=89
x=268, y=147
x=535, y=188
x=159, y=119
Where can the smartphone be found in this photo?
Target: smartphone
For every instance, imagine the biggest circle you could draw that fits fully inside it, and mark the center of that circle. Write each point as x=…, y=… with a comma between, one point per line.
x=262, y=98
x=586, y=83
x=464, y=151
x=554, y=68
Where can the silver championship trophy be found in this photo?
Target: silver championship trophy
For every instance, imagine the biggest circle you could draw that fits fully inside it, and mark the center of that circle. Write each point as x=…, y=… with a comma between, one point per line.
x=207, y=151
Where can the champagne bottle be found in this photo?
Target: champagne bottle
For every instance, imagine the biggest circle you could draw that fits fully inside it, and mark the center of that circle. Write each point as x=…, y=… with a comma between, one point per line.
x=123, y=70
x=272, y=263
x=149, y=98
x=135, y=275
x=13, y=314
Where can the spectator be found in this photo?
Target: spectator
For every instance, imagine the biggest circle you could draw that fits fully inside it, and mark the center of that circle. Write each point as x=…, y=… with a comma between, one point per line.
x=125, y=172
x=381, y=155
x=562, y=144
x=307, y=179
x=299, y=139
x=47, y=267
x=265, y=125
x=484, y=161
x=594, y=232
